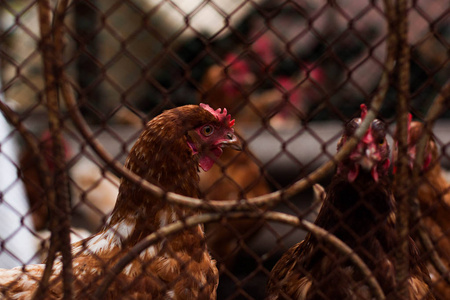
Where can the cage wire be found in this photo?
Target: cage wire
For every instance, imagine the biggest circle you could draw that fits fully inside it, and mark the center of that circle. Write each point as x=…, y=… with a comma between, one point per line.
x=80, y=79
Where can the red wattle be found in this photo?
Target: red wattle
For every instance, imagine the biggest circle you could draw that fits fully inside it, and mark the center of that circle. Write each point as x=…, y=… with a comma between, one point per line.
x=374, y=173
x=206, y=163
x=217, y=151
x=427, y=161
x=353, y=173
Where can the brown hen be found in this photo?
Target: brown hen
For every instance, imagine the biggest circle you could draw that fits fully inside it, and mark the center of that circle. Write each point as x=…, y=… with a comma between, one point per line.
x=434, y=199
x=167, y=154
x=356, y=209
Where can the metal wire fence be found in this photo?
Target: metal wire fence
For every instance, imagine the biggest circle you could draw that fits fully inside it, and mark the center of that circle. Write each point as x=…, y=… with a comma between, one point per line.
x=80, y=79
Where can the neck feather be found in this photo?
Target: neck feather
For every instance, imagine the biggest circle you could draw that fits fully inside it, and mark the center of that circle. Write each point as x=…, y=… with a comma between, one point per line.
x=163, y=158
x=360, y=206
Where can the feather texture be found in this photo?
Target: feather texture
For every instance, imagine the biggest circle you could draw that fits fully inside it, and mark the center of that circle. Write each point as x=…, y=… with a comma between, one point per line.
x=180, y=266
x=434, y=199
x=357, y=209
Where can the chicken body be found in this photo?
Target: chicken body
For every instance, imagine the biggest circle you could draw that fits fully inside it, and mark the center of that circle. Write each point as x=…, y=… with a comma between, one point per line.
x=357, y=210
x=434, y=199
x=168, y=154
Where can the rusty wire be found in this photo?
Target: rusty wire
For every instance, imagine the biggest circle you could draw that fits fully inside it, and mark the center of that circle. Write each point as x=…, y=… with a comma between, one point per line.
x=240, y=204
x=60, y=211
x=402, y=187
x=406, y=190
x=397, y=51
x=51, y=94
x=243, y=204
x=270, y=199
x=47, y=183
x=433, y=113
x=321, y=234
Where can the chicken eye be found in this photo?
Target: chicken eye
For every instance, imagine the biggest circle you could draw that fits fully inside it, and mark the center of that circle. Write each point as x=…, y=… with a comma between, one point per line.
x=381, y=142
x=207, y=130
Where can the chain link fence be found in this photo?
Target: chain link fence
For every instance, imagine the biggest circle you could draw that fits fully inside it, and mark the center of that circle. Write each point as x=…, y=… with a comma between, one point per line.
x=80, y=80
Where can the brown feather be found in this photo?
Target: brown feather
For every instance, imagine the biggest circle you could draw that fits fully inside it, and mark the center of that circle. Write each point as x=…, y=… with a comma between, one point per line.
x=180, y=266
x=434, y=199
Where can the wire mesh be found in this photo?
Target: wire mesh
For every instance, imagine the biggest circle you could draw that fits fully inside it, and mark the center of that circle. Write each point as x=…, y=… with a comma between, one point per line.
x=79, y=80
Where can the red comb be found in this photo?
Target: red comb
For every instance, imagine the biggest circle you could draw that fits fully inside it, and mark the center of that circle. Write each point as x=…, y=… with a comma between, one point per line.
x=219, y=114
x=363, y=111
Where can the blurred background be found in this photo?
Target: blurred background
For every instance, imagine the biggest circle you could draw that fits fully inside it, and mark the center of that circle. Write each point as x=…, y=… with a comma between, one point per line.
x=290, y=72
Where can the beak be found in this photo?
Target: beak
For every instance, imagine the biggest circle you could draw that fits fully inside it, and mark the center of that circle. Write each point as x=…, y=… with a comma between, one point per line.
x=232, y=141
x=369, y=158
x=366, y=163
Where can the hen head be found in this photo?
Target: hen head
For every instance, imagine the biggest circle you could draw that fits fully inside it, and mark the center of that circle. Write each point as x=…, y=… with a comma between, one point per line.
x=207, y=140
x=415, y=130
x=370, y=155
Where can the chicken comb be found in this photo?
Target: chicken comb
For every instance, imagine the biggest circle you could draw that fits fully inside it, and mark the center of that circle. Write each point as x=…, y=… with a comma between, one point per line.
x=219, y=114
x=363, y=111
